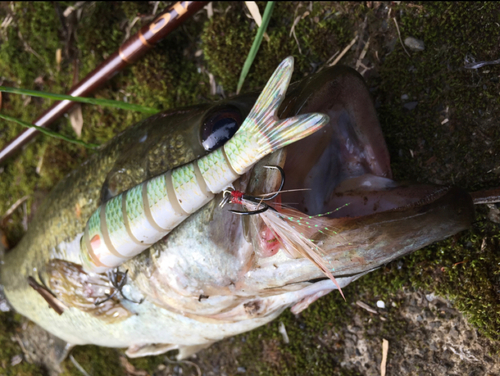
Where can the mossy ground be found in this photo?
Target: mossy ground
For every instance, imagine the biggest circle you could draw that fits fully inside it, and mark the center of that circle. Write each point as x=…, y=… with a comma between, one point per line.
x=423, y=146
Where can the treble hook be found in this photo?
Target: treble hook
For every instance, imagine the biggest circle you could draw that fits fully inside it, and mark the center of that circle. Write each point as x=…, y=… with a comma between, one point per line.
x=118, y=286
x=258, y=200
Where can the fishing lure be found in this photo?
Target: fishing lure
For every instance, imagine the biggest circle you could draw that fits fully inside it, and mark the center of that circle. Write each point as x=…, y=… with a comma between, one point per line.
x=134, y=220
x=291, y=228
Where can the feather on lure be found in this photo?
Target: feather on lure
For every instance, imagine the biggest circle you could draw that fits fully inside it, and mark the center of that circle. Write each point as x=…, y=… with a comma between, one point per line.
x=291, y=230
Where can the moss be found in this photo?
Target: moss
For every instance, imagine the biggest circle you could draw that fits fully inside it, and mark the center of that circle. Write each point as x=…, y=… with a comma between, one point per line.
x=95, y=360
x=9, y=348
x=423, y=147
x=227, y=39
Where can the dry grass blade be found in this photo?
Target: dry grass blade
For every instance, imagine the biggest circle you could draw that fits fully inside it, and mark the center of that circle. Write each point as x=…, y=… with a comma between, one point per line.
x=385, y=351
x=366, y=306
x=78, y=366
x=13, y=207
x=344, y=51
x=399, y=34
x=198, y=370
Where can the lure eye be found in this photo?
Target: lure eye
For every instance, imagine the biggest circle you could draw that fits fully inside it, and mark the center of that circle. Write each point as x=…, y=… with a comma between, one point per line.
x=219, y=126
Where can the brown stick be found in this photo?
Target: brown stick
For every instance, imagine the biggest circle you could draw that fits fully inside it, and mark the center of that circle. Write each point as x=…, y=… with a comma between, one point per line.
x=489, y=196
x=128, y=53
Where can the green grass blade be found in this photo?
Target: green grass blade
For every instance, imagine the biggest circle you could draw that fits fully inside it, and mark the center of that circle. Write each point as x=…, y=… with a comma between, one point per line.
x=48, y=132
x=100, y=102
x=256, y=44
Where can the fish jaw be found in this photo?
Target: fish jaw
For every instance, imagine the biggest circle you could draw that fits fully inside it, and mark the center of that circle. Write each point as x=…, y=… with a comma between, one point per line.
x=232, y=261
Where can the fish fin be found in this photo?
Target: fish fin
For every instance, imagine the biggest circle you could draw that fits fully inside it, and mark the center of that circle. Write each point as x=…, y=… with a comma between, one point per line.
x=76, y=288
x=186, y=351
x=150, y=349
x=262, y=132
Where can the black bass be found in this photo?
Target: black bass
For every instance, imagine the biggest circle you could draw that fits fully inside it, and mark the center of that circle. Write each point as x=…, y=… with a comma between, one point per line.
x=217, y=274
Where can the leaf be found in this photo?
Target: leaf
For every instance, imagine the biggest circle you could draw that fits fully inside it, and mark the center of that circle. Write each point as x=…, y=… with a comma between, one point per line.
x=76, y=120
x=254, y=11
x=48, y=132
x=100, y=102
x=256, y=44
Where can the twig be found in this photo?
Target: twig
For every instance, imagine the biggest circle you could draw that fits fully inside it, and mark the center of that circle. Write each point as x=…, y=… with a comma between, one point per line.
x=78, y=366
x=490, y=196
x=283, y=332
x=397, y=28
x=366, y=306
x=480, y=64
x=28, y=48
x=13, y=207
x=27, y=355
x=198, y=370
x=330, y=59
x=344, y=51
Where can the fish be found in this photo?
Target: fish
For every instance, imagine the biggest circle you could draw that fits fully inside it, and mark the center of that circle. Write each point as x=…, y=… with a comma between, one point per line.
x=216, y=274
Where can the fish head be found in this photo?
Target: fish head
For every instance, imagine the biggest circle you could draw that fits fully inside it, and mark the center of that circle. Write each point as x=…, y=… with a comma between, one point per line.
x=340, y=177
x=340, y=181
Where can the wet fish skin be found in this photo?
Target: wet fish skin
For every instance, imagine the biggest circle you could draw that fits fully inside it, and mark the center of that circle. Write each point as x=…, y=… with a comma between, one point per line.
x=209, y=254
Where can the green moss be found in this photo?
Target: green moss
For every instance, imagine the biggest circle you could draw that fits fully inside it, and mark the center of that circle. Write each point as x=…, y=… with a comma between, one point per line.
x=9, y=348
x=228, y=36
x=95, y=360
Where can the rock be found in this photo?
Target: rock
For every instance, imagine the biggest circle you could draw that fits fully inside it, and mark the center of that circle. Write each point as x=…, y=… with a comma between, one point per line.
x=414, y=44
x=410, y=105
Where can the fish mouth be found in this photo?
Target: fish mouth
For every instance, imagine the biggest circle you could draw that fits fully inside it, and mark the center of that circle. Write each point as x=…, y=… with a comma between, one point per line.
x=343, y=173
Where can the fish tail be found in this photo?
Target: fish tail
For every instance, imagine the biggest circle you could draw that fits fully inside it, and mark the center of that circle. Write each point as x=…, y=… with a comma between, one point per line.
x=262, y=132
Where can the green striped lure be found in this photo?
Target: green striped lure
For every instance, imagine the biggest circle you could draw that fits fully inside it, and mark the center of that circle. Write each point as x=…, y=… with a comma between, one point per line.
x=131, y=222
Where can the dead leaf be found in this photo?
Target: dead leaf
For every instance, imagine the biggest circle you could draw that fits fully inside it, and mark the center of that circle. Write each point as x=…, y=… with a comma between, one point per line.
x=254, y=11
x=58, y=58
x=76, y=119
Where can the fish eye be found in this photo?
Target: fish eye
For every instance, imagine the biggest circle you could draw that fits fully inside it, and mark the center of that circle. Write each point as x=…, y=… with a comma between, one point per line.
x=219, y=126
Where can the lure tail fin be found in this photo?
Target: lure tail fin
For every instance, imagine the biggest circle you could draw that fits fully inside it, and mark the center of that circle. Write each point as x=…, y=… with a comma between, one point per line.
x=262, y=132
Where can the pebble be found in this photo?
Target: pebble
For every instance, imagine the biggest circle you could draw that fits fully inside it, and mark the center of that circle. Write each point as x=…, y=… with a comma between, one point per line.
x=410, y=105
x=414, y=44
x=404, y=97
x=380, y=304
x=430, y=297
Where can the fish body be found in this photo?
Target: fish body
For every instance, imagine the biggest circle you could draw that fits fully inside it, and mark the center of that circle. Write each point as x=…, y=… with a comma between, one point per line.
x=134, y=220
x=212, y=276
